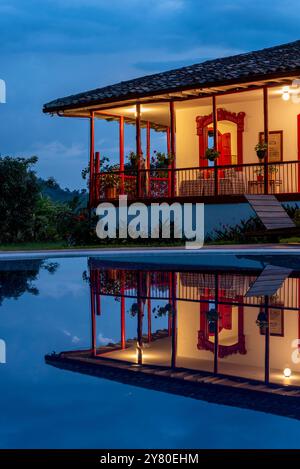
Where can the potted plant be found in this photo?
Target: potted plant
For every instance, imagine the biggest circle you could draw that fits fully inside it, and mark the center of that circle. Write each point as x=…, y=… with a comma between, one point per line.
x=110, y=181
x=261, y=150
x=272, y=170
x=212, y=317
x=259, y=174
x=132, y=160
x=211, y=154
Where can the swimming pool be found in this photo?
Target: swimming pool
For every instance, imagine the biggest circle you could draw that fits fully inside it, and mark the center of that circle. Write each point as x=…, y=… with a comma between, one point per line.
x=155, y=317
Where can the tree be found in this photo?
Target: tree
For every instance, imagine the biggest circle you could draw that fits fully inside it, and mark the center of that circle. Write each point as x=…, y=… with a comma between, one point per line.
x=19, y=194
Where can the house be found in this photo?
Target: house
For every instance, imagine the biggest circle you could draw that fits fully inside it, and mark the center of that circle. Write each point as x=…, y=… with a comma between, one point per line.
x=228, y=105
x=239, y=326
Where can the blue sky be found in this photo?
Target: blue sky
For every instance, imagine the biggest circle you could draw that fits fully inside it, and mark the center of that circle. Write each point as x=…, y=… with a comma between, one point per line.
x=58, y=47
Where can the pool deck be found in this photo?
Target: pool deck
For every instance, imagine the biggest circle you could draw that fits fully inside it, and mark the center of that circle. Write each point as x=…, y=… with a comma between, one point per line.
x=218, y=389
x=154, y=254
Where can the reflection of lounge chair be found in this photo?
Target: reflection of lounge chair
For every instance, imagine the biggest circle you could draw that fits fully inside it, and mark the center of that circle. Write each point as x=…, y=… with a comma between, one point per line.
x=273, y=216
x=269, y=281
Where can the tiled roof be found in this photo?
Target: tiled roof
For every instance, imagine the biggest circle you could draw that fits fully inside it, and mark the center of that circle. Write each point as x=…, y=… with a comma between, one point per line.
x=265, y=63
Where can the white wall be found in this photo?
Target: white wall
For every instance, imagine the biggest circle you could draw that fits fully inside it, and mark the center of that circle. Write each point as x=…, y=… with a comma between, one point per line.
x=282, y=116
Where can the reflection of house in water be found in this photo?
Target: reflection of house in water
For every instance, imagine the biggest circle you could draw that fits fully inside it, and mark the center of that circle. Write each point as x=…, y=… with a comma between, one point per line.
x=217, y=331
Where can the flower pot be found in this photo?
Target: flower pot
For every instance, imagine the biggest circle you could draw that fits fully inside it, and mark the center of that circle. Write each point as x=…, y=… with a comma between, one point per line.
x=111, y=192
x=261, y=154
x=260, y=177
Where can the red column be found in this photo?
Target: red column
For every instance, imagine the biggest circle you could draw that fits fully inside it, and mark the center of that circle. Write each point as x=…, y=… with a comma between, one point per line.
x=266, y=137
x=170, y=166
x=215, y=129
x=121, y=151
x=173, y=146
x=148, y=151
x=97, y=177
x=138, y=146
x=168, y=140
x=92, y=152
x=148, y=159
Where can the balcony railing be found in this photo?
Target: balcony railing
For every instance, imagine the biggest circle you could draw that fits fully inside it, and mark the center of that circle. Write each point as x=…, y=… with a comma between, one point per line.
x=230, y=180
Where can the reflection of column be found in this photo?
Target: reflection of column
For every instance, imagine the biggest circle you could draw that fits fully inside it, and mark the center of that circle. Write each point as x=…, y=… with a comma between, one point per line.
x=149, y=305
x=171, y=303
x=93, y=317
x=123, y=330
x=139, y=320
x=267, y=342
x=174, y=321
x=216, y=341
x=97, y=290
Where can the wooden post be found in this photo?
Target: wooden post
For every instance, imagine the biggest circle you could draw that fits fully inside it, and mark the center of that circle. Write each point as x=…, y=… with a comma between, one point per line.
x=91, y=165
x=138, y=148
x=173, y=146
x=121, y=152
x=215, y=130
x=266, y=139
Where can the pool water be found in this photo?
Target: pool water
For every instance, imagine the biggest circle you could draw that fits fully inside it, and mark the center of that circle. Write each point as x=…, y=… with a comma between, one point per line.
x=82, y=304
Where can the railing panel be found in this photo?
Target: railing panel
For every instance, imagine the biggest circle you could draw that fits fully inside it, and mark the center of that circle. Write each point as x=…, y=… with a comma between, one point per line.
x=254, y=178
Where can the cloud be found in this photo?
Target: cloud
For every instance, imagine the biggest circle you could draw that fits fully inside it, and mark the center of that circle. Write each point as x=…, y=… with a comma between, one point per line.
x=74, y=338
x=60, y=289
x=104, y=340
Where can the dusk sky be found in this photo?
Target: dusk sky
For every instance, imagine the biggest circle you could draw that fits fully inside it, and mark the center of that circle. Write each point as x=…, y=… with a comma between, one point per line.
x=53, y=48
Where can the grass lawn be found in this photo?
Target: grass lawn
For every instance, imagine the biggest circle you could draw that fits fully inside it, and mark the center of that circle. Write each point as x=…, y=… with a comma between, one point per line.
x=39, y=246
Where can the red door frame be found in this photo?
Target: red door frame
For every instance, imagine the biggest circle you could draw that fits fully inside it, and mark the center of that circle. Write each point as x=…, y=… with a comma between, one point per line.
x=204, y=121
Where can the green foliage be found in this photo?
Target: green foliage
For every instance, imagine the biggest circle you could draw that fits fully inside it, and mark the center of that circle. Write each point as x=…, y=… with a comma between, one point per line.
x=211, y=154
x=237, y=233
x=15, y=282
x=19, y=196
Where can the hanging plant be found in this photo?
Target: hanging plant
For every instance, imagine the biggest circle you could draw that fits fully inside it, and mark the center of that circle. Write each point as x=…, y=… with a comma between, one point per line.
x=262, y=320
x=211, y=154
x=261, y=150
x=133, y=310
x=160, y=311
x=212, y=315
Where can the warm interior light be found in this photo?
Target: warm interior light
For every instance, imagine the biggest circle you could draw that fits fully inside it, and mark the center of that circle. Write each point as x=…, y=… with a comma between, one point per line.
x=287, y=372
x=285, y=93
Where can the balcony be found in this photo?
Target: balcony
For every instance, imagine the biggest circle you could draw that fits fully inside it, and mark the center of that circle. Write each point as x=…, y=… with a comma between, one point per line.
x=215, y=184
